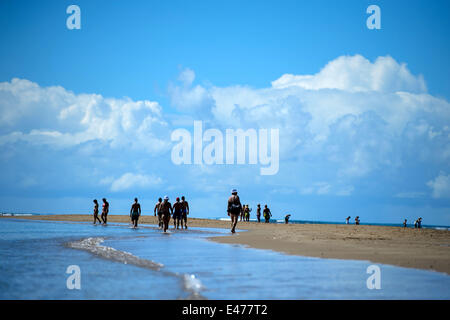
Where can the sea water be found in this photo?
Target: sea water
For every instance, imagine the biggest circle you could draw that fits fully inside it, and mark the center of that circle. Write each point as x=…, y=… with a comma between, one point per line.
x=118, y=262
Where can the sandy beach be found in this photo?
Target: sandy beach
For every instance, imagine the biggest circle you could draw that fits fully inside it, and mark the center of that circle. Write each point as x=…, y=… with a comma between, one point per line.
x=412, y=248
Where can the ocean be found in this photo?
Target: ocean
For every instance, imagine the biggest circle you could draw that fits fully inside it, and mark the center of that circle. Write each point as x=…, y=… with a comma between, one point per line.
x=118, y=262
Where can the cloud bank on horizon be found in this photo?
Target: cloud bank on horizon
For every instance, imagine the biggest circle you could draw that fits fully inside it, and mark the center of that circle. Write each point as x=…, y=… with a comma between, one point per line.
x=355, y=128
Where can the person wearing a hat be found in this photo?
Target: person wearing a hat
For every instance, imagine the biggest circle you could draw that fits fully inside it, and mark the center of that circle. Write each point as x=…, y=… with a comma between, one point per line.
x=234, y=209
x=166, y=210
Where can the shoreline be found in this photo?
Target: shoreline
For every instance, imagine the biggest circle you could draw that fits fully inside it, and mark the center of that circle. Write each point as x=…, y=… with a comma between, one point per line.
x=426, y=249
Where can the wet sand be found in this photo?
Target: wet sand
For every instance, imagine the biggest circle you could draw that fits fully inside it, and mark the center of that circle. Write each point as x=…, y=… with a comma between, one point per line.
x=406, y=247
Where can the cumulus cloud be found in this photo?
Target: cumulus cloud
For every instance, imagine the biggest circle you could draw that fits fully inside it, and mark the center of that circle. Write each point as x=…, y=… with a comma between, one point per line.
x=189, y=98
x=353, y=119
x=440, y=186
x=356, y=73
x=58, y=117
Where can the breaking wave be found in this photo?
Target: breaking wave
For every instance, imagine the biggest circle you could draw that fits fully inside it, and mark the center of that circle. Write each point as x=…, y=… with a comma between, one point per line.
x=189, y=283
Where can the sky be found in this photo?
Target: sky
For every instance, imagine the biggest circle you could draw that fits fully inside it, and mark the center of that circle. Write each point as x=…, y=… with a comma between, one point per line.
x=363, y=114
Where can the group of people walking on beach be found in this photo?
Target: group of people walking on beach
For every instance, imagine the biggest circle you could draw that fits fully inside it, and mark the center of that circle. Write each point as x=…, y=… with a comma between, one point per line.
x=245, y=213
x=105, y=210
x=179, y=211
x=235, y=210
x=163, y=209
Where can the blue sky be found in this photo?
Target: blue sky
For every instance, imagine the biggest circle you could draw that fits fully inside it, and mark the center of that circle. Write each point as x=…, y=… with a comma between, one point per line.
x=375, y=144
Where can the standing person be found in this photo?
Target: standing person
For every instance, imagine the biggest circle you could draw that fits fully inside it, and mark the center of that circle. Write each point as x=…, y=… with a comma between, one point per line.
x=96, y=212
x=347, y=220
x=419, y=223
x=184, y=212
x=245, y=211
x=286, y=218
x=158, y=212
x=258, y=212
x=234, y=209
x=105, y=210
x=242, y=213
x=177, y=208
x=404, y=223
x=135, y=212
x=166, y=210
x=357, y=220
x=267, y=214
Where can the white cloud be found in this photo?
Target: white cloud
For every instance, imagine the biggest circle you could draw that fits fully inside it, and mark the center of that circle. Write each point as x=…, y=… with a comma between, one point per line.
x=187, y=76
x=188, y=98
x=354, y=118
x=353, y=121
x=356, y=73
x=440, y=186
x=134, y=181
x=57, y=117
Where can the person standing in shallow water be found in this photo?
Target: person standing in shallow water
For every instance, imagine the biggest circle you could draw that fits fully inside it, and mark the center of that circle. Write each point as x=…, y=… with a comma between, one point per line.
x=267, y=214
x=184, y=212
x=105, y=211
x=177, y=208
x=234, y=209
x=158, y=212
x=96, y=212
x=166, y=210
x=258, y=213
x=135, y=212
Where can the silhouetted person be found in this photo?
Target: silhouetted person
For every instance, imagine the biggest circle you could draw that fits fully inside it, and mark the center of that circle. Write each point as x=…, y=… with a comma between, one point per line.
x=184, y=212
x=166, y=210
x=234, y=209
x=177, y=208
x=258, y=213
x=135, y=212
x=158, y=212
x=419, y=223
x=286, y=218
x=105, y=211
x=96, y=212
x=267, y=214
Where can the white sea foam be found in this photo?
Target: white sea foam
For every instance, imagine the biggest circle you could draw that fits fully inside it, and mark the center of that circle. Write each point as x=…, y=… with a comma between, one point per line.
x=93, y=245
x=190, y=283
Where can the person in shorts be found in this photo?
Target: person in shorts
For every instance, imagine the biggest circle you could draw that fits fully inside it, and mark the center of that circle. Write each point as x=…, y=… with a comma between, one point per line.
x=166, y=210
x=177, y=213
x=234, y=209
x=135, y=213
x=184, y=212
x=158, y=212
